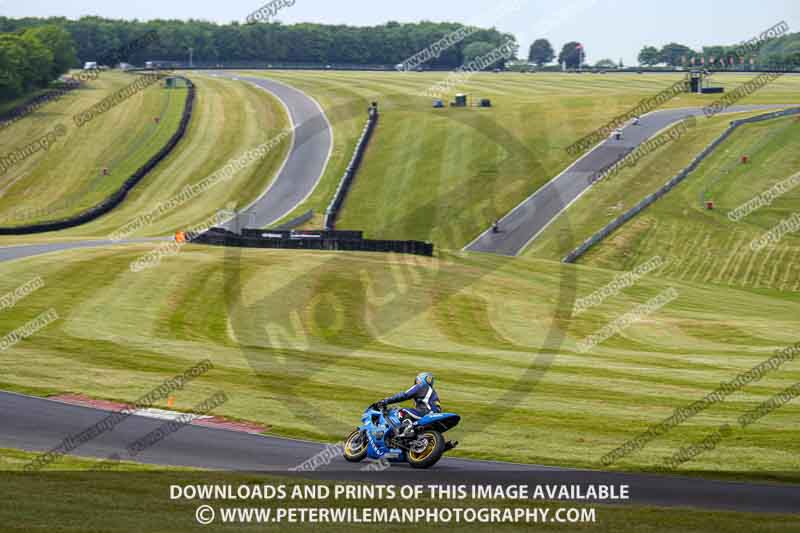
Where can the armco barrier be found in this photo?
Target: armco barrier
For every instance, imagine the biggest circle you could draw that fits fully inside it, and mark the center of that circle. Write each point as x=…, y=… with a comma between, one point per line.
x=119, y=195
x=649, y=200
x=297, y=221
x=352, y=169
x=309, y=240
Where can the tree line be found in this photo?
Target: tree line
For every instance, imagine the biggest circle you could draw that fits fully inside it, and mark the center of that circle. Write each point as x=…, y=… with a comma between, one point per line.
x=30, y=59
x=783, y=51
x=572, y=54
x=387, y=44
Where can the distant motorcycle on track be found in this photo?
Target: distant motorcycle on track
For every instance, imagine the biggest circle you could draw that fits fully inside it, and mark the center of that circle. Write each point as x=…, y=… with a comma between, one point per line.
x=379, y=437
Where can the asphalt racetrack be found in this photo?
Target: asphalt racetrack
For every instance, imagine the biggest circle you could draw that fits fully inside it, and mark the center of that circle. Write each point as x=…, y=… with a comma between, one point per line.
x=530, y=218
x=298, y=177
x=40, y=425
x=302, y=170
x=37, y=424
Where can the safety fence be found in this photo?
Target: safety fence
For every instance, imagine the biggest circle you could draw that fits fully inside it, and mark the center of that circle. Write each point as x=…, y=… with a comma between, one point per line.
x=278, y=65
x=121, y=193
x=351, y=241
x=667, y=187
x=285, y=65
x=352, y=169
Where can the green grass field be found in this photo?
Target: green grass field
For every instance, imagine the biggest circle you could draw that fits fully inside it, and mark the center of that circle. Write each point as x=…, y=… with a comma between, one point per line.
x=702, y=245
x=69, y=178
x=440, y=175
x=445, y=175
x=138, y=500
x=498, y=333
x=229, y=119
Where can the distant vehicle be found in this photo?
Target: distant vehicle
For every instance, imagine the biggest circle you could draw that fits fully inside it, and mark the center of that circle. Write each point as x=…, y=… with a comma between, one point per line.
x=158, y=64
x=90, y=65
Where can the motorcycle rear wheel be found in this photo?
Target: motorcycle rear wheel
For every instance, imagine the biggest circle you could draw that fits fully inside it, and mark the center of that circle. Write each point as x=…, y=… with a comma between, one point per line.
x=355, y=447
x=430, y=455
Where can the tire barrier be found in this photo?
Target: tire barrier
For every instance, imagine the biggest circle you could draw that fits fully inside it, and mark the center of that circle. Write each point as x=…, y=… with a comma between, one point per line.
x=350, y=241
x=651, y=199
x=352, y=169
x=298, y=221
x=120, y=194
x=23, y=110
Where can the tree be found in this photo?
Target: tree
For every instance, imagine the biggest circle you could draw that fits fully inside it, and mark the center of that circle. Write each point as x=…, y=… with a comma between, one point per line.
x=572, y=54
x=792, y=54
x=38, y=62
x=775, y=61
x=793, y=59
x=605, y=63
x=60, y=43
x=649, y=56
x=473, y=50
x=673, y=53
x=541, y=52
x=12, y=66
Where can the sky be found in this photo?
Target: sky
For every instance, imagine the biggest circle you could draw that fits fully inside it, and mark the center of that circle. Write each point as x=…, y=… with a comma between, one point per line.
x=614, y=29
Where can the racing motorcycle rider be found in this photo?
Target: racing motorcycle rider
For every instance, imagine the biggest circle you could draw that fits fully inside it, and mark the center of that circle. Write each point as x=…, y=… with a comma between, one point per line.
x=425, y=398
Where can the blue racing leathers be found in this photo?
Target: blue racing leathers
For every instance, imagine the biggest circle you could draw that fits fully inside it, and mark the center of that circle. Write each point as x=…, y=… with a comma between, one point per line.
x=424, y=396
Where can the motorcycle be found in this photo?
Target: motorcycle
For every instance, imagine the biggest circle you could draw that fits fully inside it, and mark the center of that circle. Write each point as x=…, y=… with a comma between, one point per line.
x=379, y=436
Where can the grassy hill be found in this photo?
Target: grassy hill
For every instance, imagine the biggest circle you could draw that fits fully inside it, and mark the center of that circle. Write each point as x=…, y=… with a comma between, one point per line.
x=456, y=170
x=229, y=119
x=440, y=175
x=69, y=177
x=706, y=245
x=303, y=341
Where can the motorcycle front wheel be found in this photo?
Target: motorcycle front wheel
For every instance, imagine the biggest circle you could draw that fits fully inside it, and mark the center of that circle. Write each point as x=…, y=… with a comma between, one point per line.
x=355, y=447
x=426, y=450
